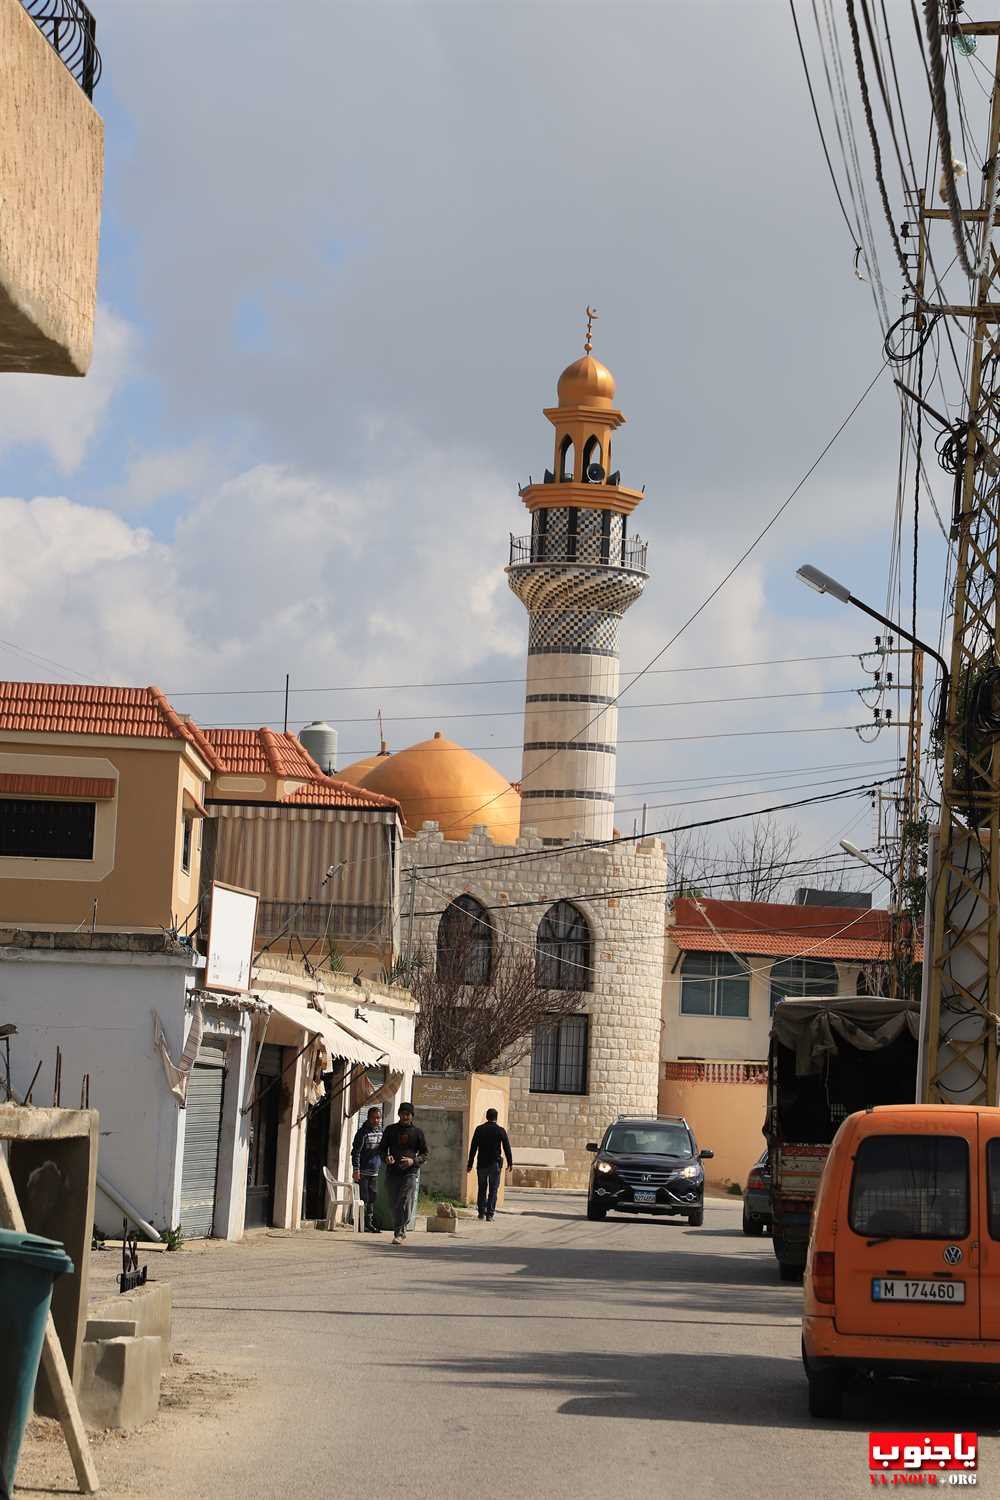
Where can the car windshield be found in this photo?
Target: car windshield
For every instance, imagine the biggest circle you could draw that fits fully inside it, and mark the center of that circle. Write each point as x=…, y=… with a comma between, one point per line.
x=649, y=1140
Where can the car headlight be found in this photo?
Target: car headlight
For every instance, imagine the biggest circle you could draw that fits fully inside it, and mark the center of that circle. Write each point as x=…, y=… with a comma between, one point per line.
x=690, y=1172
x=605, y=1166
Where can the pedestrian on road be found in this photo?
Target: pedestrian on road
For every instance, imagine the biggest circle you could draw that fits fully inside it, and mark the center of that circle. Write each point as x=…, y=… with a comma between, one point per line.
x=488, y=1141
x=404, y=1150
x=366, y=1158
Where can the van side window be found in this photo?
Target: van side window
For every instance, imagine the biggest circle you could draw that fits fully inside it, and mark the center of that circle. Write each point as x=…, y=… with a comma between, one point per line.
x=993, y=1187
x=912, y=1186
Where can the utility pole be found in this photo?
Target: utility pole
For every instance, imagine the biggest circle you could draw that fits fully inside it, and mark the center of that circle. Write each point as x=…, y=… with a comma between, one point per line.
x=909, y=858
x=961, y=988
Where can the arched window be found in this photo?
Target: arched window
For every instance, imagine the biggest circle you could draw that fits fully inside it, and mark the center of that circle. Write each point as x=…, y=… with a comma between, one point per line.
x=796, y=978
x=591, y=455
x=714, y=984
x=566, y=460
x=563, y=949
x=465, y=942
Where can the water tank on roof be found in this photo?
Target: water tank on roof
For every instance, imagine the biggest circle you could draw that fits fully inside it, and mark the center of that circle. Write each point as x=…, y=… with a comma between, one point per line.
x=809, y=896
x=320, y=739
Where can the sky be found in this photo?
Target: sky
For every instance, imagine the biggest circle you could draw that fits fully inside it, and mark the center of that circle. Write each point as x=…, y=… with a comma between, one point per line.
x=346, y=251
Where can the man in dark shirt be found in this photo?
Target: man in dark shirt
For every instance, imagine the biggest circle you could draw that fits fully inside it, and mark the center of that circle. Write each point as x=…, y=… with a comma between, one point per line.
x=488, y=1141
x=404, y=1150
x=366, y=1158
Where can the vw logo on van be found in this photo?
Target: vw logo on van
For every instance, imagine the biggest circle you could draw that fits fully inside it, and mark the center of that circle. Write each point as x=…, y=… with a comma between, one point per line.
x=952, y=1254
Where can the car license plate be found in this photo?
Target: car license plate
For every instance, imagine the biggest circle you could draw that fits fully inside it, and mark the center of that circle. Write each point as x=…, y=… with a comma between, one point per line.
x=897, y=1289
x=643, y=1197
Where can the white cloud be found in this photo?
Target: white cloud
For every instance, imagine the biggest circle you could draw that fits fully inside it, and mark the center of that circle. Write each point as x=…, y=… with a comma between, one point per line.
x=63, y=415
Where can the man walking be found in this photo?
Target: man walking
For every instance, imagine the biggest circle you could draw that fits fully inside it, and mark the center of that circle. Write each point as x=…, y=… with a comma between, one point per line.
x=366, y=1158
x=488, y=1141
x=404, y=1150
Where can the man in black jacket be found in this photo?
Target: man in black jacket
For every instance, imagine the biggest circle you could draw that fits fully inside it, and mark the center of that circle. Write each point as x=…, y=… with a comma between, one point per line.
x=488, y=1141
x=404, y=1150
x=366, y=1158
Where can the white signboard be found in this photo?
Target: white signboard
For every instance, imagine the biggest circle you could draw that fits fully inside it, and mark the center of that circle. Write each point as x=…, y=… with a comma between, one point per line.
x=232, y=926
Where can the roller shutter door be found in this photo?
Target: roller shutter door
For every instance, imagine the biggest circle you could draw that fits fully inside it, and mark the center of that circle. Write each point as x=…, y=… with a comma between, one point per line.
x=201, y=1141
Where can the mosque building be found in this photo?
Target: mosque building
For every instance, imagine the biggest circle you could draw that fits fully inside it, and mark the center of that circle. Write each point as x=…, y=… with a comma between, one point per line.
x=493, y=854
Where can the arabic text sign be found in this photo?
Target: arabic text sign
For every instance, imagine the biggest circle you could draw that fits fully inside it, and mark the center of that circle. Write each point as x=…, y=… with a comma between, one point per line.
x=923, y=1452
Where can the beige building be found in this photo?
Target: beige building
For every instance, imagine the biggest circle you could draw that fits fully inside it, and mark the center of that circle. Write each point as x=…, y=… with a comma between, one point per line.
x=726, y=965
x=101, y=805
x=51, y=179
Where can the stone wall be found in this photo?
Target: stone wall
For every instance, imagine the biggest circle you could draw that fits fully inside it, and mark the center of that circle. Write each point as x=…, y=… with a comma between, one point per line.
x=623, y=1002
x=51, y=178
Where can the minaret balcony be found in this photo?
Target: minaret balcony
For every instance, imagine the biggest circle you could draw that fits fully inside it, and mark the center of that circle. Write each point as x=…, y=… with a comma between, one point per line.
x=630, y=555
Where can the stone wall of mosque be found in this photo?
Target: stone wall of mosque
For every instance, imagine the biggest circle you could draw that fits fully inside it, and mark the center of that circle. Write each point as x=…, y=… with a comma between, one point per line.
x=621, y=987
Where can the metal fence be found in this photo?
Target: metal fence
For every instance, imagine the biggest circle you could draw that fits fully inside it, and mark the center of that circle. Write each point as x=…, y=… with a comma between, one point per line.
x=317, y=919
x=69, y=27
x=627, y=554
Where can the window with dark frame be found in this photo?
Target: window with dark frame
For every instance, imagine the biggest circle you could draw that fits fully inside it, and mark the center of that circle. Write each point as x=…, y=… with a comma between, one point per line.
x=37, y=828
x=465, y=942
x=187, y=840
x=562, y=950
x=559, y=1053
x=797, y=978
x=993, y=1187
x=714, y=984
x=915, y=1187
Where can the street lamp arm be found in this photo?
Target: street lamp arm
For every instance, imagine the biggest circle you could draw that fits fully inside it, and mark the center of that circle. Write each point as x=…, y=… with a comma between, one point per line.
x=814, y=578
x=921, y=646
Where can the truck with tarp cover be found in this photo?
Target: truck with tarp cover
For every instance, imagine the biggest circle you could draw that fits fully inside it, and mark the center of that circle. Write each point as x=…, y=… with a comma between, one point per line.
x=828, y=1058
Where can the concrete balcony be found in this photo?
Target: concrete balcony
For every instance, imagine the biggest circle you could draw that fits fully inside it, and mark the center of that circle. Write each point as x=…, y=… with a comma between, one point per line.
x=51, y=179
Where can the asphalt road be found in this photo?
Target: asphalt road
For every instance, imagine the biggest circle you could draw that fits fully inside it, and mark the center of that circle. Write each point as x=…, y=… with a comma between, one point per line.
x=541, y=1356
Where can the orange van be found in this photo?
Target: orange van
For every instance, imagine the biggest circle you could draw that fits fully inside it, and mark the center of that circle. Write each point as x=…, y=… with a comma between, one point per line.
x=903, y=1269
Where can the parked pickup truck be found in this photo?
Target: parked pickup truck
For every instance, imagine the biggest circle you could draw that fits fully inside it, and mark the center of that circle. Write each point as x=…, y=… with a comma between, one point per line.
x=827, y=1059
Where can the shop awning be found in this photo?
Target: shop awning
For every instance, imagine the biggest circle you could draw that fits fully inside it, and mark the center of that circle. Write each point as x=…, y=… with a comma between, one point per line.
x=317, y=1023
x=396, y=1059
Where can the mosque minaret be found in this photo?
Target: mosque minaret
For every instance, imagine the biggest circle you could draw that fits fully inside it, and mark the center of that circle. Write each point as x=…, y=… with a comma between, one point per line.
x=577, y=573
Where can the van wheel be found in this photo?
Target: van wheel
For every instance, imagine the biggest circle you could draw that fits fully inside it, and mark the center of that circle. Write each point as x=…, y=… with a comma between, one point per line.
x=595, y=1210
x=697, y=1219
x=826, y=1393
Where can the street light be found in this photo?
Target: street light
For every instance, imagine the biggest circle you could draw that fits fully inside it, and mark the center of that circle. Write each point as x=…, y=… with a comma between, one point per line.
x=824, y=584
x=856, y=853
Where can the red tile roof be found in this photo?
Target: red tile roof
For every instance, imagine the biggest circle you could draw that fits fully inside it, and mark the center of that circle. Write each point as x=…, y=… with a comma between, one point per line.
x=327, y=791
x=776, y=930
x=82, y=708
x=261, y=752
x=266, y=752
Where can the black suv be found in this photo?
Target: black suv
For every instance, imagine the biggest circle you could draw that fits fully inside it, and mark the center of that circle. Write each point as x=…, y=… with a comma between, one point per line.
x=648, y=1166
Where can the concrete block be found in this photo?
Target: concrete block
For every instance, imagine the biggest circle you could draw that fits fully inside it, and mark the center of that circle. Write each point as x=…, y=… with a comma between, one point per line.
x=149, y=1307
x=442, y=1226
x=110, y=1328
x=120, y=1382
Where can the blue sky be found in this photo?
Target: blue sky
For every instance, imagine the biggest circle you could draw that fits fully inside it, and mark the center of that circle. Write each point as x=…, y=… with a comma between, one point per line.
x=345, y=253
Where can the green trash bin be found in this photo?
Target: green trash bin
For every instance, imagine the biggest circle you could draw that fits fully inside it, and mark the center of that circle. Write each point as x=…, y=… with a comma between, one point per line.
x=28, y=1267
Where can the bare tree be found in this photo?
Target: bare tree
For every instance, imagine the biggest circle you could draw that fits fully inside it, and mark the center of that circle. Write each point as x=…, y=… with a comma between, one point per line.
x=689, y=863
x=484, y=1026
x=759, y=854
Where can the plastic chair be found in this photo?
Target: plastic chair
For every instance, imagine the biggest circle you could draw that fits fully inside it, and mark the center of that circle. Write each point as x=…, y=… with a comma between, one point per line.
x=334, y=1197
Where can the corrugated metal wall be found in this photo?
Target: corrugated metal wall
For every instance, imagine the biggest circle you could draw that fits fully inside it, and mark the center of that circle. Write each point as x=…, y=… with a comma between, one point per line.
x=284, y=853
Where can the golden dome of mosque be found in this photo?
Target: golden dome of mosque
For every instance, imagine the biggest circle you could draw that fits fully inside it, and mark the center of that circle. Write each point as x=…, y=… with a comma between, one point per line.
x=439, y=781
x=356, y=772
x=586, y=382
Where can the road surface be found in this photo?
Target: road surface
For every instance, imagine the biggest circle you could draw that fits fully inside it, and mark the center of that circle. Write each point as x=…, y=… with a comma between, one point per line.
x=540, y=1356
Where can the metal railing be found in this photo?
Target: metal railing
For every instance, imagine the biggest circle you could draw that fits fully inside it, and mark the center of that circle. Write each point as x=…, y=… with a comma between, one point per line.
x=627, y=554
x=316, y=919
x=69, y=28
